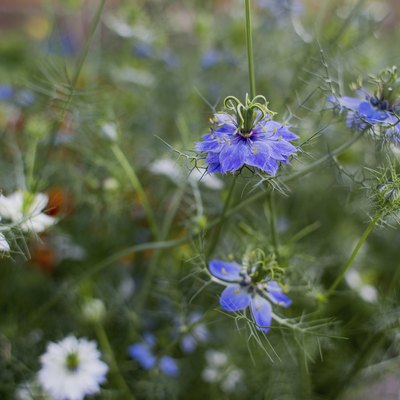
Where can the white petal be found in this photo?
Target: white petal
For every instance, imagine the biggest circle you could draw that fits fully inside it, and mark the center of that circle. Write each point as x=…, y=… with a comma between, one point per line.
x=4, y=246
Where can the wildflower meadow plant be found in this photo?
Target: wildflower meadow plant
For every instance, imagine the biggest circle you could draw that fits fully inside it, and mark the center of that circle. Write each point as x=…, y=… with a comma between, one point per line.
x=180, y=238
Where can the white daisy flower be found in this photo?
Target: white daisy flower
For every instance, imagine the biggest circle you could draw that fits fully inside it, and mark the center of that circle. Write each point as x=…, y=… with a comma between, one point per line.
x=72, y=369
x=26, y=209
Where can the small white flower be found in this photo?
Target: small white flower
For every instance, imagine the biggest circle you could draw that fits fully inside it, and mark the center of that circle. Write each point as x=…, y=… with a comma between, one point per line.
x=219, y=370
x=232, y=380
x=109, y=131
x=4, y=246
x=26, y=209
x=72, y=369
x=366, y=291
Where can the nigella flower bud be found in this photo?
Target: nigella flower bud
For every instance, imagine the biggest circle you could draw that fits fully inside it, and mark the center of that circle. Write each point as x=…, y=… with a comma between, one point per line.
x=387, y=191
x=94, y=311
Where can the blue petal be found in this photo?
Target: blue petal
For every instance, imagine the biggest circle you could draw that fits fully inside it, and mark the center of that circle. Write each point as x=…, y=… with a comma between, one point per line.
x=286, y=134
x=271, y=166
x=227, y=271
x=233, y=154
x=234, y=298
x=262, y=158
x=223, y=118
x=188, y=344
x=169, y=366
x=260, y=153
x=369, y=113
x=351, y=103
x=275, y=293
x=6, y=91
x=393, y=132
x=262, y=312
x=142, y=354
x=283, y=147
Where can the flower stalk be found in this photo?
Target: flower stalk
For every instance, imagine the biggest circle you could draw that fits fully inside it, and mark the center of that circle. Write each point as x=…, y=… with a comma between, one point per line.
x=353, y=256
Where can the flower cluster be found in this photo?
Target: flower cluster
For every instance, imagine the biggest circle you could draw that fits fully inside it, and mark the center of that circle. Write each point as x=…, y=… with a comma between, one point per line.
x=246, y=135
x=248, y=286
x=380, y=109
x=193, y=332
x=143, y=353
x=72, y=369
x=219, y=369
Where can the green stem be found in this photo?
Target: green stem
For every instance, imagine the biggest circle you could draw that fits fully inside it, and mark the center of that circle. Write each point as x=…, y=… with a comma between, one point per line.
x=137, y=186
x=78, y=68
x=272, y=224
x=169, y=218
x=222, y=219
x=250, y=57
x=109, y=353
x=350, y=261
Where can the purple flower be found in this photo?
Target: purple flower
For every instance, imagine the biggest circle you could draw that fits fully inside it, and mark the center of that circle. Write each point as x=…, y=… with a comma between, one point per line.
x=143, y=354
x=245, y=289
x=379, y=110
x=250, y=138
x=198, y=333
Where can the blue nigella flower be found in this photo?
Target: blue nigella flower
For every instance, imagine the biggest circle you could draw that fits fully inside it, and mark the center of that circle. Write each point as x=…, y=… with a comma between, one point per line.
x=245, y=290
x=249, y=137
x=379, y=110
x=198, y=333
x=143, y=354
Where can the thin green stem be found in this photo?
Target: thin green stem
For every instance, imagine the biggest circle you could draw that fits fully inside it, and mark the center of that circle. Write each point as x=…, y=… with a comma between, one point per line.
x=272, y=224
x=222, y=219
x=169, y=218
x=109, y=354
x=250, y=57
x=350, y=261
x=137, y=187
x=77, y=71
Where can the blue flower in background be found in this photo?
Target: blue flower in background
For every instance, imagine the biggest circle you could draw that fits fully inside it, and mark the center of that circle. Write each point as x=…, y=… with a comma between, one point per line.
x=379, y=110
x=367, y=112
x=197, y=334
x=282, y=8
x=215, y=57
x=143, y=50
x=6, y=91
x=143, y=354
x=245, y=289
x=250, y=138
